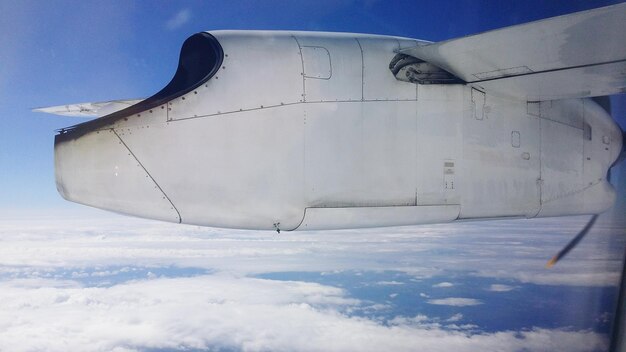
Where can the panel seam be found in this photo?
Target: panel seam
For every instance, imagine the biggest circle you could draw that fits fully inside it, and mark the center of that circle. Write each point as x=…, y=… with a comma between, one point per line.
x=548, y=71
x=147, y=173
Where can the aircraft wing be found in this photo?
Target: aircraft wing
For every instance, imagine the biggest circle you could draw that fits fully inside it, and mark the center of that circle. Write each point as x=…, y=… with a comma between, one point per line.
x=577, y=55
x=97, y=109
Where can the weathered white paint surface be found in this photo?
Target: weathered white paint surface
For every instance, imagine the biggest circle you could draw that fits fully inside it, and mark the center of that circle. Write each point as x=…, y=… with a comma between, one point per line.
x=312, y=131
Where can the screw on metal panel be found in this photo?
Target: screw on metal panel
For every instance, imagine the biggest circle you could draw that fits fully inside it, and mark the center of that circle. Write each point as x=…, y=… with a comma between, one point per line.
x=194, y=92
x=151, y=111
x=162, y=107
x=183, y=98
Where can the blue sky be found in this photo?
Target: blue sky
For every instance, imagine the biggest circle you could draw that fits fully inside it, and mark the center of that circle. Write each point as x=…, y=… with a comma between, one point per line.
x=75, y=51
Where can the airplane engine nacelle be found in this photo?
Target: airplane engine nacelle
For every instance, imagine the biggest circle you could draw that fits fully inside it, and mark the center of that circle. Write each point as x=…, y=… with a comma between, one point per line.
x=295, y=130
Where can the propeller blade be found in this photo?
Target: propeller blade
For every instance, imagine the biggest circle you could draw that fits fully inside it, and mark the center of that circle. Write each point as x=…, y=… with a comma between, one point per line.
x=572, y=243
x=605, y=103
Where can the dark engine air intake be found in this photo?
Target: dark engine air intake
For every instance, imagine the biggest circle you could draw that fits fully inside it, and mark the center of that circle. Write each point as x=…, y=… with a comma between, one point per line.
x=200, y=58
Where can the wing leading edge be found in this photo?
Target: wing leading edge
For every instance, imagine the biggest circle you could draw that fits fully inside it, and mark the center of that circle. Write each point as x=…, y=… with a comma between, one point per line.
x=97, y=109
x=577, y=55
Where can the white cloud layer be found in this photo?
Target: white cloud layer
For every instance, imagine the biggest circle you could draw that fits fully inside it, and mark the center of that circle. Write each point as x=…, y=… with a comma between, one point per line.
x=500, y=288
x=389, y=283
x=47, y=301
x=179, y=19
x=456, y=317
x=455, y=301
x=510, y=250
x=229, y=312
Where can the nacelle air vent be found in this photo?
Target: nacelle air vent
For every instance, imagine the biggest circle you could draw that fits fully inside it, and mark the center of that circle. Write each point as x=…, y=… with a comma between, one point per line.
x=411, y=69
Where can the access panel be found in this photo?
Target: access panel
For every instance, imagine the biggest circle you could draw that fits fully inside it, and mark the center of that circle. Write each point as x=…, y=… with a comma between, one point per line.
x=344, y=79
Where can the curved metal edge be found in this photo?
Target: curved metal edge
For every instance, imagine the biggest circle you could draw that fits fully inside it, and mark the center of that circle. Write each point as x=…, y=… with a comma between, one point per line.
x=155, y=100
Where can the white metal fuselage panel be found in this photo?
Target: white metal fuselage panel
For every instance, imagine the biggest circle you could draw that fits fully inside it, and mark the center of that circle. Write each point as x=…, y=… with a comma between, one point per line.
x=360, y=154
x=242, y=84
x=245, y=168
x=439, y=142
x=500, y=158
x=312, y=131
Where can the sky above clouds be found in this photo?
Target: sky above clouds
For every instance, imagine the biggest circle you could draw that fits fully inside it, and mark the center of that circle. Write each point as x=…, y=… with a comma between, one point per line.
x=73, y=278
